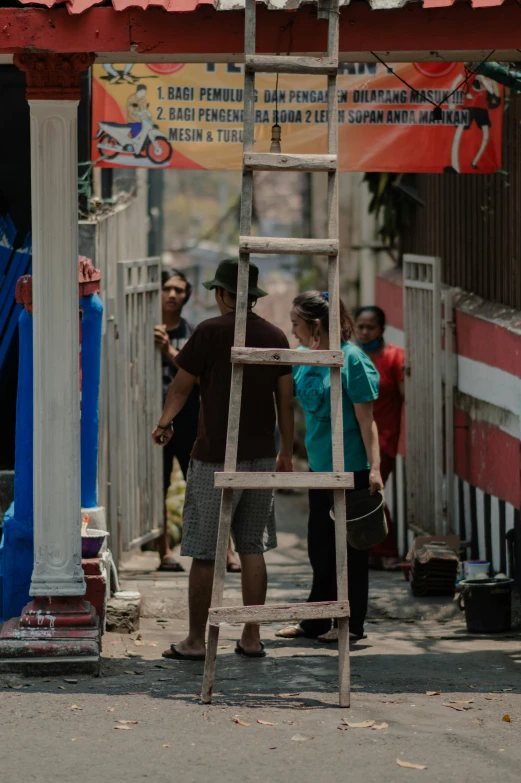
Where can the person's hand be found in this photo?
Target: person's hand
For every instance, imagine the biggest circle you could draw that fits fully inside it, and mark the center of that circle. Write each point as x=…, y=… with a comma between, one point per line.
x=284, y=463
x=375, y=481
x=161, y=436
x=161, y=338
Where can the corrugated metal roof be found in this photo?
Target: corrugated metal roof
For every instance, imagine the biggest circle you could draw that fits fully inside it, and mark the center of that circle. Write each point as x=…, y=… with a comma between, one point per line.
x=182, y=6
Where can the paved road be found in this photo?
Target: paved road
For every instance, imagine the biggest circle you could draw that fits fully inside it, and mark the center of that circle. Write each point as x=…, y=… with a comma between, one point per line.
x=44, y=737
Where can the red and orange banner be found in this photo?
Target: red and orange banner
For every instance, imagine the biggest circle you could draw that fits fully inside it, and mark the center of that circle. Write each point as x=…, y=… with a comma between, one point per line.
x=190, y=116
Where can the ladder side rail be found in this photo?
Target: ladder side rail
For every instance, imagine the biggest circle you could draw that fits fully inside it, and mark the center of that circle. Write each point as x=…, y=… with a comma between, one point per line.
x=241, y=314
x=337, y=429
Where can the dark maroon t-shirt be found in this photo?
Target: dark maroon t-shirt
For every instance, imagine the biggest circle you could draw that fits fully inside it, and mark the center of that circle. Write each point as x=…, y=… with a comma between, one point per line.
x=207, y=356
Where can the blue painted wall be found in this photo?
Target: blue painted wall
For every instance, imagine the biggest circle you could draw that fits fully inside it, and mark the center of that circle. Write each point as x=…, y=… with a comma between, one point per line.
x=18, y=525
x=92, y=308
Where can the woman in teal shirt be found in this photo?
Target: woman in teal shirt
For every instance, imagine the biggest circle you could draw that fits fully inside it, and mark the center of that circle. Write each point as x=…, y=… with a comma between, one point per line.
x=310, y=321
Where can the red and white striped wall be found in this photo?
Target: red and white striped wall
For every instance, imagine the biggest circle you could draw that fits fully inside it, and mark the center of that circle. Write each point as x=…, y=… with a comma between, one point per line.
x=487, y=418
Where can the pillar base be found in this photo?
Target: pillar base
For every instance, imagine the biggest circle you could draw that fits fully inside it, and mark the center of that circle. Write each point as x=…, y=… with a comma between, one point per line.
x=52, y=636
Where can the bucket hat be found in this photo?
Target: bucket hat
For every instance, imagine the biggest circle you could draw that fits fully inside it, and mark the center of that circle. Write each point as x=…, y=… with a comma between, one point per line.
x=226, y=278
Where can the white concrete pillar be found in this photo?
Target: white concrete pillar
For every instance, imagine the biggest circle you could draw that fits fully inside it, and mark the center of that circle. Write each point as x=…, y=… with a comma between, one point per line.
x=54, y=199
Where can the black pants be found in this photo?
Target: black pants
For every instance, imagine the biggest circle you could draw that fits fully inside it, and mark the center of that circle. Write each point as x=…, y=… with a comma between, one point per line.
x=179, y=446
x=321, y=550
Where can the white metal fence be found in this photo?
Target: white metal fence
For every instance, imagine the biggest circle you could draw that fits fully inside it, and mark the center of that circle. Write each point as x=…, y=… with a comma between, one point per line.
x=423, y=393
x=130, y=377
x=136, y=365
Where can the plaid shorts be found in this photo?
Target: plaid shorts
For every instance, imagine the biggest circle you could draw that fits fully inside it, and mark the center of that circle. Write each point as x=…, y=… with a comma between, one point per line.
x=253, y=523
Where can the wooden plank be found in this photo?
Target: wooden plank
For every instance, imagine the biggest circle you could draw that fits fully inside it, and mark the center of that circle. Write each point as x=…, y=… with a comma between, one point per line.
x=270, y=161
x=278, y=612
x=287, y=356
x=205, y=33
x=268, y=63
x=241, y=315
x=242, y=480
x=293, y=246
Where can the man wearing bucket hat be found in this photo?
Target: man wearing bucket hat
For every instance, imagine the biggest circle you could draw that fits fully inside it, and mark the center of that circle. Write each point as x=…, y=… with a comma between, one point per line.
x=206, y=356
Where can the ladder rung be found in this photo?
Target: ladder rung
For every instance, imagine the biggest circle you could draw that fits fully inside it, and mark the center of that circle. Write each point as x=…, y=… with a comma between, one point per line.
x=268, y=63
x=301, y=247
x=284, y=480
x=278, y=612
x=287, y=356
x=274, y=161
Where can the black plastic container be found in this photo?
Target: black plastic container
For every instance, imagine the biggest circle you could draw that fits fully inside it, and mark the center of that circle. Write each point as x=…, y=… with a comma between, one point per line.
x=487, y=604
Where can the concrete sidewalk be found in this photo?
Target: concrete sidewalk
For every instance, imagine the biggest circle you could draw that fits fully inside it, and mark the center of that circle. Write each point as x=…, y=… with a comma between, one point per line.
x=62, y=731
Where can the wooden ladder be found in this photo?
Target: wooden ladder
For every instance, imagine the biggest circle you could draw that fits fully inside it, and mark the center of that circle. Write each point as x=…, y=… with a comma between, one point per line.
x=338, y=480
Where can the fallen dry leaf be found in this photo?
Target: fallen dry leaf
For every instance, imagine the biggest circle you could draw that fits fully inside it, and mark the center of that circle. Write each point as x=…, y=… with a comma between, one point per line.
x=110, y=709
x=433, y=693
x=123, y=728
x=152, y=644
x=461, y=701
x=73, y=739
x=240, y=722
x=166, y=746
x=302, y=737
x=75, y=707
x=139, y=644
x=365, y=724
x=16, y=687
x=457, y=707
x=507, y=718
x=379, y=726
x=408, y=765
x=128, y=722
x=139, y=636
x=265, y=723
x=506, y=689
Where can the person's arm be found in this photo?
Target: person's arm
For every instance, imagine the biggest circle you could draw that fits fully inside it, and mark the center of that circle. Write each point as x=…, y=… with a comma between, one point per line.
x=178, y=394
x=284, y=400
x=369, y=432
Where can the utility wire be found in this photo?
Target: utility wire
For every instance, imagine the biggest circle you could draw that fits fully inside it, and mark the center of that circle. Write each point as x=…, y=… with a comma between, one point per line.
x=469, y=75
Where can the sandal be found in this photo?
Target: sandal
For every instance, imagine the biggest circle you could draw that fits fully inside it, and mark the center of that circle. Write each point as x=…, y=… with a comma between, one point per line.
x=175, y=655
x=259, y=654
x=170, y=564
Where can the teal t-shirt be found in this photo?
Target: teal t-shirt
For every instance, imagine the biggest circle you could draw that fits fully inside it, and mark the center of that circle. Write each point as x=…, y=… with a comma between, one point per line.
x=313, y=390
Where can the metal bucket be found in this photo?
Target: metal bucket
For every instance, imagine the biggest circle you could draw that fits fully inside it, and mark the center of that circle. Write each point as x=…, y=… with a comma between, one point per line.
x=366, y=522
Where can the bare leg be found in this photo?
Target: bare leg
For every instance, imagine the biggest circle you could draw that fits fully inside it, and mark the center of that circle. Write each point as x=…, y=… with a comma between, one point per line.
x=485, y=130
x=455, y=148
x=199, y=600
x=254, y=587
x=168, y=561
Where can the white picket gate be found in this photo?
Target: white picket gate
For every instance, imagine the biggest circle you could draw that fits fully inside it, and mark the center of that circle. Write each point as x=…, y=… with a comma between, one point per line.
x=135, y=402
x=423, y=393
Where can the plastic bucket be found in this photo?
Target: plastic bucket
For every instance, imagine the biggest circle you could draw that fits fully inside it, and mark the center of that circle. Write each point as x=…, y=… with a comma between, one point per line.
x=475, y=567
x=487, y=604
x=91, y=542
